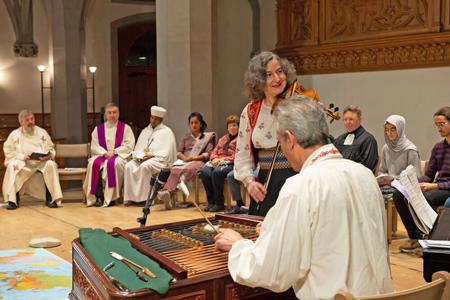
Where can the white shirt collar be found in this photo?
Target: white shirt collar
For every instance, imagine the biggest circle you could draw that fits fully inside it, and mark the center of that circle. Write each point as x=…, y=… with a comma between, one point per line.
x=325, y=152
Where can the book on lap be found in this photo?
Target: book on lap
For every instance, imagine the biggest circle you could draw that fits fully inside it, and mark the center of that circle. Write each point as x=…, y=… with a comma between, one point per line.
x=37, y=155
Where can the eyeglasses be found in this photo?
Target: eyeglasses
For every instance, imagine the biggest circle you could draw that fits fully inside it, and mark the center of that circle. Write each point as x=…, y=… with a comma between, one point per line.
x=440, y=124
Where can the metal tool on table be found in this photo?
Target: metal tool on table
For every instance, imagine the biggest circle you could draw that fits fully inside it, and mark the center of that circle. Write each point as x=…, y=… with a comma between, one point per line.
x=138, y=269
x=120, y=286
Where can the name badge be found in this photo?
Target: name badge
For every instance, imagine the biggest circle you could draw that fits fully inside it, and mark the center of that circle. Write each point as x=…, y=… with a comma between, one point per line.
x=349, y=139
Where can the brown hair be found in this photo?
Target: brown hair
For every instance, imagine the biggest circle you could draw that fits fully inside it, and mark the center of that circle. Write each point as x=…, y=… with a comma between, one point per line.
x=444, y=111
x=232, y=119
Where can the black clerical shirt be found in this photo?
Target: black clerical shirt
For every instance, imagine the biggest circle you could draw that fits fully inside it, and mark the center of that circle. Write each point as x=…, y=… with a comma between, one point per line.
x=363, y=150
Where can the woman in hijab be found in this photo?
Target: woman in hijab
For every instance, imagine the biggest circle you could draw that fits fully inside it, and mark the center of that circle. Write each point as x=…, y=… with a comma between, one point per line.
x=398, y=152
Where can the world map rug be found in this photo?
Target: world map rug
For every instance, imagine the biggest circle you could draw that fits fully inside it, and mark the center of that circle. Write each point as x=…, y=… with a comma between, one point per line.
x=34, y=273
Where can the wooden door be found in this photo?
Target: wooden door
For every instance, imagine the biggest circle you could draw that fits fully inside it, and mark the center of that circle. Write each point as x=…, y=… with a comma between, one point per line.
x=137, y=73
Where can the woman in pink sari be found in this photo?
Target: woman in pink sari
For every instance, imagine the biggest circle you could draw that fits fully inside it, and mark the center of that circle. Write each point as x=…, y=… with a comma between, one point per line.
x=193, y=151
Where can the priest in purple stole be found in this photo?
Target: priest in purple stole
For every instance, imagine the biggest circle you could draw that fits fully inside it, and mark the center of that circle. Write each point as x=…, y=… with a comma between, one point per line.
x=111, y=146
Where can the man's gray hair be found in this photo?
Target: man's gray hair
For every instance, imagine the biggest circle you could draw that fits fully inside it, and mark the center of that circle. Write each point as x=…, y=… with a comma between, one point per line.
x=23, y=114
x=111, y=104
x=255, y=76
x=354, y=109
x=305, y=119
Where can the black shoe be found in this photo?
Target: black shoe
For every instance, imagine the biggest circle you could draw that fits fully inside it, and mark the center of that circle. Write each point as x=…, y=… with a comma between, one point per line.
x=217, y=208
x=235, y=210
x=208, y=208
x=112, y=203
x=52, y=204
x=98, y=202
x=11, y=206
x=48, y=196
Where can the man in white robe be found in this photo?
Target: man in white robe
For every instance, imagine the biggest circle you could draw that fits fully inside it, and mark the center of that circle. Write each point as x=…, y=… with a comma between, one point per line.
x=326, y=231
x=27, y=173
x=155, y=149
x=111, y=145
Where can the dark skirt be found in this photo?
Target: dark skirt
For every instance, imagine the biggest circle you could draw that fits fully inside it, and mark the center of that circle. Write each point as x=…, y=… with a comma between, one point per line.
x=277, y=180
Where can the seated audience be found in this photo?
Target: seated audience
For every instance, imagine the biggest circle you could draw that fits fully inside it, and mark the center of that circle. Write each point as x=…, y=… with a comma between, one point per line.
x=435, y=184
x=220, y=163
x=111, y=145
x=398, y=152
x=155, y=149
x=22, y=163
x=357, y=144
x=323, y=234
x=194, y=150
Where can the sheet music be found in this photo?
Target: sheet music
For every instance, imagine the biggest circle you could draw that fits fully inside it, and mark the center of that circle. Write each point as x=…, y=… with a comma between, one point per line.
x=434, y=244
x=422, y=210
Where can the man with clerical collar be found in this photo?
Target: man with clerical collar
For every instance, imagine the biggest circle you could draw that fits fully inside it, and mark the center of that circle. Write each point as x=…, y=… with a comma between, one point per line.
x=325, y=232
x=28, y=150
x=111, y=145
x=357, y=144
x=155, y=149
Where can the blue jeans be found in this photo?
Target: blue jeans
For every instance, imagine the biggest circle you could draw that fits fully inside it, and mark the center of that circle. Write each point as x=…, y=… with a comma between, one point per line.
x=213, y=181
x=447, y=203
x=235, y=187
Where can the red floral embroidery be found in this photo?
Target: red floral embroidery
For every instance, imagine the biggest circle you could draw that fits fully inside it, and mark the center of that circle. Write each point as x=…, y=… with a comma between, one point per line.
x=324, y=153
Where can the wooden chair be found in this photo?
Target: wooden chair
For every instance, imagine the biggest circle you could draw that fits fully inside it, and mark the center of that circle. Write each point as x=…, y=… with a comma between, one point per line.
x=73, y=151
x=228, y=197
x=438, y=289
x=226, y=192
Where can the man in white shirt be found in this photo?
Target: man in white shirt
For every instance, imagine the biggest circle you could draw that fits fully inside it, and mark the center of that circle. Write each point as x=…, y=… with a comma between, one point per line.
x=111, y=145
x=155, y=149
x=22, y=167
x=326, y=230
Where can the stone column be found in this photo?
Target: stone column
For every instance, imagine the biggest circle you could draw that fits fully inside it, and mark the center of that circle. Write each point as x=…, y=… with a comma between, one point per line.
x=185, y=61
x=67, y=38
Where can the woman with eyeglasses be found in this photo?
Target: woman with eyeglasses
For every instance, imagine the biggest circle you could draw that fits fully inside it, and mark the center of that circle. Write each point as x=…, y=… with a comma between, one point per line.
x=398, y=152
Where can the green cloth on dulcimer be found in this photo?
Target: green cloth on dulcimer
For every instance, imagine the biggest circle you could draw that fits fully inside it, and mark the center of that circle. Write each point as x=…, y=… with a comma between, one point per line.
x=98, y=244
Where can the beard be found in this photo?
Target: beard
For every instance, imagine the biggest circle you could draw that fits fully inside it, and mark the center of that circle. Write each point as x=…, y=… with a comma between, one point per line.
x=29, y=130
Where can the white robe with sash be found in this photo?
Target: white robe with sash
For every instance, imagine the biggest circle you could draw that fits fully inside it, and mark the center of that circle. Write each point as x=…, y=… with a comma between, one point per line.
x=31, y=176
x=123, y=152
x=161, y=145
x=325, y=233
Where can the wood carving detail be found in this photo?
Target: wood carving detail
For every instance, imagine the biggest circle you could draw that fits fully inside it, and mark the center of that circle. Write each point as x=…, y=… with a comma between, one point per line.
x=237, y=291
x=198, y=295
x=301, y=20
x=362, y=35
x=351, y=18
x=371, y=58
x=84, y=285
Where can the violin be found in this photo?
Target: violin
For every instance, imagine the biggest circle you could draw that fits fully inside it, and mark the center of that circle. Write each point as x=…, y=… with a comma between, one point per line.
x=332, y=111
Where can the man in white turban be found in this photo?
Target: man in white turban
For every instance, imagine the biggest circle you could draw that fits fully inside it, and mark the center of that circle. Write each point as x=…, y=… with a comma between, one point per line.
x=29, y=150
x=155, y=150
